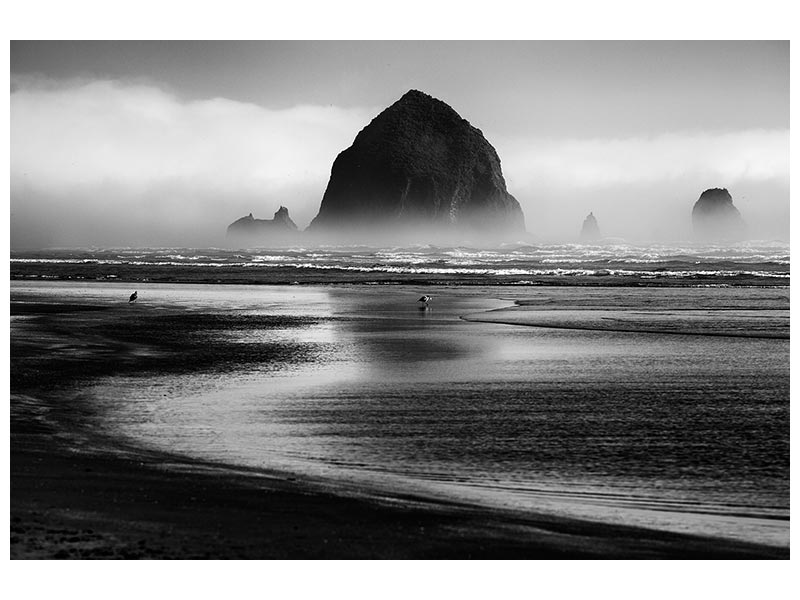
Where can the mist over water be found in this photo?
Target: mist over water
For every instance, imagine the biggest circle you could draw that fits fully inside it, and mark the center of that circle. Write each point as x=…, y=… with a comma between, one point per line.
x=198, y=219
x=117, y=218
x=111, y=163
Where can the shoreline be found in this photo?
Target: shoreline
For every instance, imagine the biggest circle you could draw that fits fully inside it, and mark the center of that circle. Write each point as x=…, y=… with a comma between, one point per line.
x=98, y=499
x=573, y=327
x=700, y=317
x=78, y=504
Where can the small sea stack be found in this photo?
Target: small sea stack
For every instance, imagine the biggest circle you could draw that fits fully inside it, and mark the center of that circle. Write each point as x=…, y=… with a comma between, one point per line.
x=263, y=232
x=590, y=231
x=715, y=218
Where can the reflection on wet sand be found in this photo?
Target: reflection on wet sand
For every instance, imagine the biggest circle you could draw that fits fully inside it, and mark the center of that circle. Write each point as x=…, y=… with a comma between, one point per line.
x=361, y=387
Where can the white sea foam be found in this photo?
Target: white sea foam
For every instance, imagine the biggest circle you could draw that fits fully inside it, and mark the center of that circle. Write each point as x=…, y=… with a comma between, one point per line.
x=683, y=260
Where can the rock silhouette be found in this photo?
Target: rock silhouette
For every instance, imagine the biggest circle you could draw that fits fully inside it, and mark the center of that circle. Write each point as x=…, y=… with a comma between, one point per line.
x=254, y=231
x=418, y=163
x=590, y=230
x=714, y=217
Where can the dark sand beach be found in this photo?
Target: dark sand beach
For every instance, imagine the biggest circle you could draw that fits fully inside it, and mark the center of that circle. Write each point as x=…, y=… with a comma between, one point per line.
x=80, y=491
x=82, y=505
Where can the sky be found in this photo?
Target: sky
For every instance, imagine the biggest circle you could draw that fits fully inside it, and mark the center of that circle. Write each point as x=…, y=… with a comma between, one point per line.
x=166, y=143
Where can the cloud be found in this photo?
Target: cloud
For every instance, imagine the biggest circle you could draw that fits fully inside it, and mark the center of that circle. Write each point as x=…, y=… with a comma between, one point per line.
x=85, y=144
x=644, y=187
x=729, y=157
x=138, y=135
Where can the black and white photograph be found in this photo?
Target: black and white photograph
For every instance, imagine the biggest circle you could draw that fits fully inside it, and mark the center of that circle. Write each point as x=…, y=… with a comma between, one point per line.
x=399, y=299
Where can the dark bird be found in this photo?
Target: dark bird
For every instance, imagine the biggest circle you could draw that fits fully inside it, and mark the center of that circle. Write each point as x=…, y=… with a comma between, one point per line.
x=133, y=297
x=425, y=299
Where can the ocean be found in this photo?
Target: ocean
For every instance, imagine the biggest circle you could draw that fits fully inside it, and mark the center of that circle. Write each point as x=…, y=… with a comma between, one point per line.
x=756, y=263
x=644, y=385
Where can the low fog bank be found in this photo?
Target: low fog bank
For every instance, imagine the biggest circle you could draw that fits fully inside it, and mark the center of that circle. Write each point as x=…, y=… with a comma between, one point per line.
x=412, y=235
x=644, y=188
x=642, y=213
x=181, y=217
x=165, y=216
x=100, y=162
x=116, y=164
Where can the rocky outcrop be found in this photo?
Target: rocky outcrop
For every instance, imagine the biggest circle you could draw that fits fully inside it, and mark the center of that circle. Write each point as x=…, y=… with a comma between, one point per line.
x=714, y=217
x=590, y=230
x=419, y=164
x=251, y=231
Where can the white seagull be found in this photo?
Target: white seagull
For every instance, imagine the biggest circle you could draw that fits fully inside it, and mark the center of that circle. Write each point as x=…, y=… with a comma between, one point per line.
x=133, y=297
x=425, y=299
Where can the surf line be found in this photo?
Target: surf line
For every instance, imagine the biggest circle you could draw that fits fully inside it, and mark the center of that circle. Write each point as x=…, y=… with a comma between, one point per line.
x=481, y=318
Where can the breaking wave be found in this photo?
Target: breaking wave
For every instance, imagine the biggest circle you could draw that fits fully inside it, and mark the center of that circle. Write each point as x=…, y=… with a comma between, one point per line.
x=523, y=263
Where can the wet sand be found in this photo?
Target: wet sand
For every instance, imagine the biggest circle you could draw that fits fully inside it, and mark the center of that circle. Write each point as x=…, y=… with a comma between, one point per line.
x=76, y=493
x=81, y=506
x=757, y=313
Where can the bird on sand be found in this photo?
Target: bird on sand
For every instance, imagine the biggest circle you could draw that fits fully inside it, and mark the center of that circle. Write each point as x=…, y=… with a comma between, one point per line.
x=133, y=297
x=425, y=299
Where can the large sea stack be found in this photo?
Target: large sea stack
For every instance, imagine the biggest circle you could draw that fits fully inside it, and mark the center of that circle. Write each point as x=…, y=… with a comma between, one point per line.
x=714, y=217
x=250, y=231
x=419, y=167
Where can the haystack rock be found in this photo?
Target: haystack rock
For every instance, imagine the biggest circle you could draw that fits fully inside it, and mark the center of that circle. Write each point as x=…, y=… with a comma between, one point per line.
x=714, y=217
x=253, y=231
x=590, y=230
x=418, y=166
